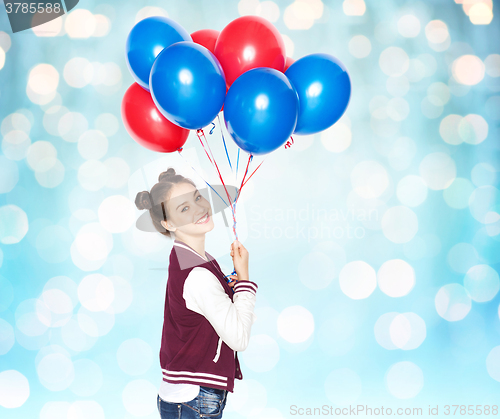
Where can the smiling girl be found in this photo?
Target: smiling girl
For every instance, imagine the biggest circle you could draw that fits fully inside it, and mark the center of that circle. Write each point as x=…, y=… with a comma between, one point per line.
x=206, y=320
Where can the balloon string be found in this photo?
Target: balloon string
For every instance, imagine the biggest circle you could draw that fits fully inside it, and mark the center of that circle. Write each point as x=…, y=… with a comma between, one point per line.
x=201, y=134
x=253, y=172
x=233, y=205
x=243, y=182
x=250, y=158
x=237, y=163
x=179, y=150
x=208, y=146
x=213, y=158
x=199, y=137
x=224, y=141
x=288, y=143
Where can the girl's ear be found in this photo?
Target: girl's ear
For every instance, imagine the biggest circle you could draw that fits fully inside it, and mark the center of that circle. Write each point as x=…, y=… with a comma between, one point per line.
x=167, y=226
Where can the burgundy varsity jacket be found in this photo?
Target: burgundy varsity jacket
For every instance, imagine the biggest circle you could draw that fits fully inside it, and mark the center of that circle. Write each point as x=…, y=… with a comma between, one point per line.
x=191, y=350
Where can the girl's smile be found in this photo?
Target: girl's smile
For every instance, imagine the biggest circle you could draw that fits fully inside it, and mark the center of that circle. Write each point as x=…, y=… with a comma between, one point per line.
x=204, y=219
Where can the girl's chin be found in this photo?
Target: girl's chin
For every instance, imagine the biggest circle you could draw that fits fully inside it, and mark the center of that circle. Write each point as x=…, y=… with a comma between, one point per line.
x=205, y=227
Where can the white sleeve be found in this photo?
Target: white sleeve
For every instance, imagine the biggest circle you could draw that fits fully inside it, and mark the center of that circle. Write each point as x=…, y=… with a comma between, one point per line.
x=232, y=321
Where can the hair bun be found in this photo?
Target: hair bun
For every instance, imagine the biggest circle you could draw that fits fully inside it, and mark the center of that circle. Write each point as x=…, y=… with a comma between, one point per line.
x=166, y=175
x=143, y=200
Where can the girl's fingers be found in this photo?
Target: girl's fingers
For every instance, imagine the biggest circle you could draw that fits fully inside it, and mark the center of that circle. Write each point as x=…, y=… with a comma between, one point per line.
x=234, y=279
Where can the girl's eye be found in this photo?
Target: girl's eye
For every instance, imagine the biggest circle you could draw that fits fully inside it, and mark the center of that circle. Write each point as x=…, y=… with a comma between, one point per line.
x=199, y=196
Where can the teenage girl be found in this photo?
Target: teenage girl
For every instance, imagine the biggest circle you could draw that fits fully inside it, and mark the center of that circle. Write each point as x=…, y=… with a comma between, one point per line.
x=206, y=320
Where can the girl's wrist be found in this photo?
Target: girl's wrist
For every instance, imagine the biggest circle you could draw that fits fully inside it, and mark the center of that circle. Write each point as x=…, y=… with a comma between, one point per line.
x=243, y=276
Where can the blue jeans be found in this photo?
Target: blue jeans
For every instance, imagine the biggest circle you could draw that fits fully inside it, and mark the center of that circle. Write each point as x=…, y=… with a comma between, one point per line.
x=209, y=403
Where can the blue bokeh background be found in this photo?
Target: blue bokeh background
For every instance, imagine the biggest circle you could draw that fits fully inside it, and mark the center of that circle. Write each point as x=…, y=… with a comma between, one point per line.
x=375, y=244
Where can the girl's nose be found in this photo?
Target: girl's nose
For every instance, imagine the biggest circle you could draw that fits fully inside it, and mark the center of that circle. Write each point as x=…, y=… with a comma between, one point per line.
x=201, y=210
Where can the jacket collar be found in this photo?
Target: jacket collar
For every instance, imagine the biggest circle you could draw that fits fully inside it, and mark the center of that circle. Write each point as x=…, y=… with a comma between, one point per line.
x=183, y=245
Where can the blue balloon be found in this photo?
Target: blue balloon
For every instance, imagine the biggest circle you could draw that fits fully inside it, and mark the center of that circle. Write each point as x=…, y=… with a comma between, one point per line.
x=260, y=110
x=324, y=90
x=187, y=84
x=146, y=40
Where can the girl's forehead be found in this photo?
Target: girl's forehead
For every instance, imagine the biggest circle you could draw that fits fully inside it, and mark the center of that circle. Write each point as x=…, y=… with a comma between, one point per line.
x=182, y=191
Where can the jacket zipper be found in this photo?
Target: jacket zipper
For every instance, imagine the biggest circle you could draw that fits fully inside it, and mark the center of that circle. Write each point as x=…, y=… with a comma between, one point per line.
x=219, y=344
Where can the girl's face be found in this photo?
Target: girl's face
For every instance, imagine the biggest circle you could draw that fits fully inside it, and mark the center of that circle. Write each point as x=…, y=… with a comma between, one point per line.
x=188, y=211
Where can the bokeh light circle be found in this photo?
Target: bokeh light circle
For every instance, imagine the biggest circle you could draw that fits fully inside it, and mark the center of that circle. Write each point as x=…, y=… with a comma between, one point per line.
x=117, y=214
x=396, y=278
x=88, y=378
x=468, y=70
x=357, y=280
x=493, y=363
x=55, y=371
x=7, y=338
x=96, y=292
x=409, y=26
x=13, y=224
x=404, y=380
x=399, y=224
x=411, y=191
x=14, y=389
x=438, y=170
x=482, y=283
x=452, y=302
x=262, y=354
x=369, y=179
x=394, y=61
x=457, y=195
x=295, y=324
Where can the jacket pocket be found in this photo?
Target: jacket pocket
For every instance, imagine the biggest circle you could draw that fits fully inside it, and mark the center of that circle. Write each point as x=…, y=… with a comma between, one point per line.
x=217, y=354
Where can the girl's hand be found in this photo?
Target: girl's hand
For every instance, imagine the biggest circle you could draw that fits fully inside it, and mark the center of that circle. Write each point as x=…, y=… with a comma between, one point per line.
x=234, y=279
x=240, y=259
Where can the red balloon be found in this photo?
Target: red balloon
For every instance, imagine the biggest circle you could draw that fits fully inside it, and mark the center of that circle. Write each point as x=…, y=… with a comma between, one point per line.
x=147, y=125
x=227, y=89
x=249, y=42
x=206, y=38
x=289, y=61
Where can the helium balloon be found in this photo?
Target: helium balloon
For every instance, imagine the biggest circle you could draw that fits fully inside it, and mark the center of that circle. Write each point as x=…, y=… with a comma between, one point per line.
x=324, y=90
x=249, y=42
x=206, y=37
x=289, y=61
x=147, y=126
x=261, y=110
x=187, y=85
x=146, y=40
